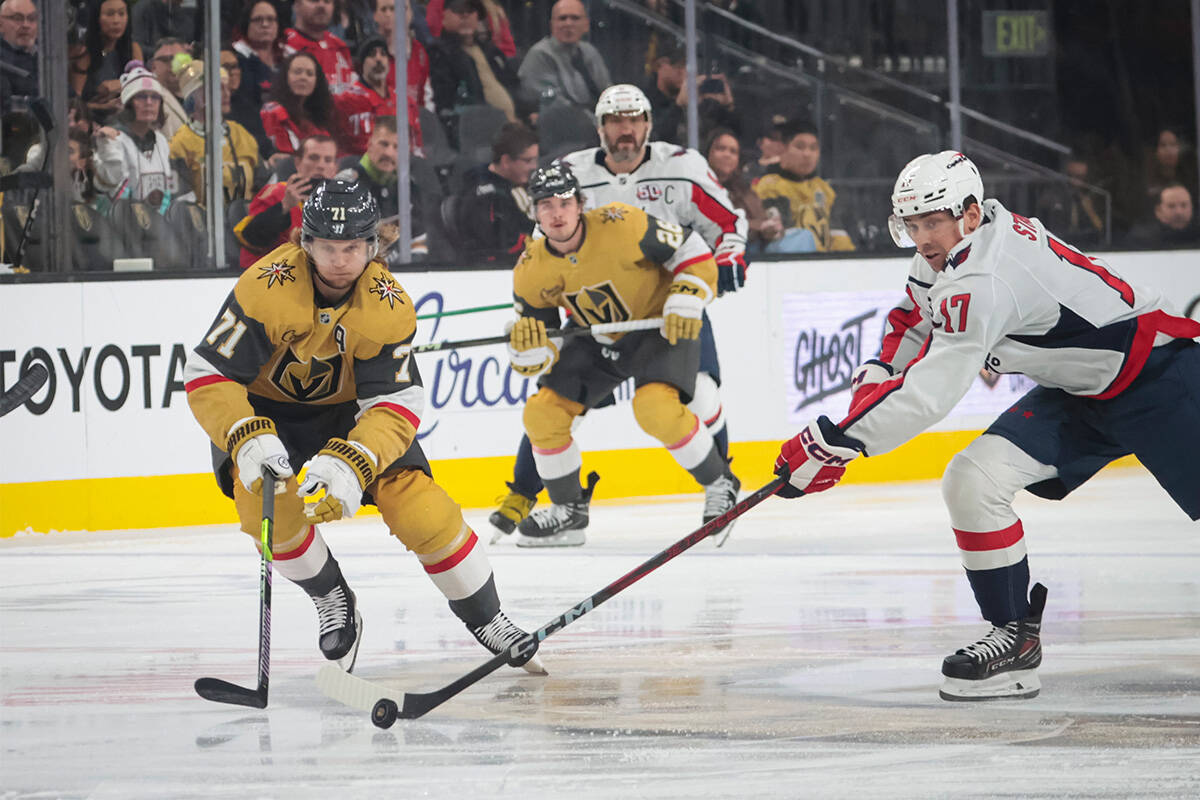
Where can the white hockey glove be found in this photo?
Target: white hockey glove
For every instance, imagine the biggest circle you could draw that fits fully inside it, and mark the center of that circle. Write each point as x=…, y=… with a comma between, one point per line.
x=530, y=348
x=681, y=312
x=343, y=469
x=253, y=445
x=866, y=378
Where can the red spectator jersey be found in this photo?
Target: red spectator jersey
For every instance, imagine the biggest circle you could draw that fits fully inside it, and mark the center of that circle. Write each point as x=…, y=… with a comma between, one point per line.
x=283, y=131
x=358, y=107
x=266, y=218
x=330, y=52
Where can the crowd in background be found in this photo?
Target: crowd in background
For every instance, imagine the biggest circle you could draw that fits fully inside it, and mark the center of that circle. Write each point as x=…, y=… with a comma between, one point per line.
x=307, y=95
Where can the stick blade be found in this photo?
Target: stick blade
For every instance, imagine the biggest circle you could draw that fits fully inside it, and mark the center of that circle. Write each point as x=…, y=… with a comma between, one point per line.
x=418, y=705
x=220, y=691
x=25, y=388
x=349, y=690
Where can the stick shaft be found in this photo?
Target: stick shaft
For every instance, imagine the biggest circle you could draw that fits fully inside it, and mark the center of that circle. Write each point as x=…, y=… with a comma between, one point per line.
x=416, y=705
x=605, y=328
x=474, y=310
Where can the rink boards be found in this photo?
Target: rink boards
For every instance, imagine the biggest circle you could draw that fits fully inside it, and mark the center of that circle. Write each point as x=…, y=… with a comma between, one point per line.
x=109, y=443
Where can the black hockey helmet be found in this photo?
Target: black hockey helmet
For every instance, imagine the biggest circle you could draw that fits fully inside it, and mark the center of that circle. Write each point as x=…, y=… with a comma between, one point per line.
x=341, y=210
x=556, y=180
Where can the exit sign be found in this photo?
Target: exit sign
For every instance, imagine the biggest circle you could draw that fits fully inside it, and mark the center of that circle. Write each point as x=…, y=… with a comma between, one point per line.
x=1016, y=33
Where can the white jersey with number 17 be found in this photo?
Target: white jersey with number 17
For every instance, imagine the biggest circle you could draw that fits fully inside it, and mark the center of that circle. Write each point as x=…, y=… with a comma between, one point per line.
x=1018, y=299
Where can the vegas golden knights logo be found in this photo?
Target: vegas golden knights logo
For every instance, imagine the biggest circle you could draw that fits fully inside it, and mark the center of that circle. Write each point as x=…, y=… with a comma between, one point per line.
x=598, y=304
x=309, y=382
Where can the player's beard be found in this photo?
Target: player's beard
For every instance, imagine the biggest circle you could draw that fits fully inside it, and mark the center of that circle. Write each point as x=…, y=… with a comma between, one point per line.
x=623, y=154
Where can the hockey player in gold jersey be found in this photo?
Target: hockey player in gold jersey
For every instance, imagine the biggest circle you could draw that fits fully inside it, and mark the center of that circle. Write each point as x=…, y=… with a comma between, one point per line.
x=309, y=362
x=611, y=264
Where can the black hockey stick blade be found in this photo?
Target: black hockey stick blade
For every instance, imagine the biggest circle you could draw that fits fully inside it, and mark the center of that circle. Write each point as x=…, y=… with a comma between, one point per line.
x=353, y=691
x=220, y=691
x=24, y=388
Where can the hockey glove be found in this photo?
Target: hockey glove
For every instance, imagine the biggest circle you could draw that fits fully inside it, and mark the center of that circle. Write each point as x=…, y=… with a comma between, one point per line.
x=253, y=445
x=866, y=378
x=529, y=347
x=683, y=309
x=815, y=459
x=343, y=469
x=731, y=265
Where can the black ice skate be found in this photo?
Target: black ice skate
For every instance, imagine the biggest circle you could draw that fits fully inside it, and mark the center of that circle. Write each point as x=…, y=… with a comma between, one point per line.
x=500, y=634
x=720, y=496
x=560, y=525
x=1002, y=664
x=339, y=625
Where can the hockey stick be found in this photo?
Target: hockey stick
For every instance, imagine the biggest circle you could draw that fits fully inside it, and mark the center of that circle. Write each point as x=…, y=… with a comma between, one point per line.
x=220, y=691
x=474, y=310
x=604, y=328
x=24, y=388
x=358, y=693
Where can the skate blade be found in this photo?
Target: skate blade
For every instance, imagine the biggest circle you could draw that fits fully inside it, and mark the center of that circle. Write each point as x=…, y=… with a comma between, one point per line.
x=346, y=662
x=722, y=536
x=565, y=539
x=1017, y=685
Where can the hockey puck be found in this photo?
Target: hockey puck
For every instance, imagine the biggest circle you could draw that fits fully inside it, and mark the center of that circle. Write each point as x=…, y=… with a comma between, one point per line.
x=384, y=713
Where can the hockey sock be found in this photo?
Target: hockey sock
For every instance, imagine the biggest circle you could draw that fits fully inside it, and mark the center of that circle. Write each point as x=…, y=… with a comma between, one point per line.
x=307, y=560
x=324, y=582
x=721, y=440
x=1002, y=593
x=559, y=469
x=462, y=573
x=526, y=480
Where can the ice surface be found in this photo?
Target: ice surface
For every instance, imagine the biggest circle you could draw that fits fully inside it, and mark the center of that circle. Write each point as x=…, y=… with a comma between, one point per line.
x=799, y=661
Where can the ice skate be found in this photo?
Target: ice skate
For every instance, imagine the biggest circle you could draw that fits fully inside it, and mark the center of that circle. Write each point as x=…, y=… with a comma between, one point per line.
x=500, y=634
x=562, y=525
x=720, y=496
x=339, y=625
x=1003, y=663
x=514, y=507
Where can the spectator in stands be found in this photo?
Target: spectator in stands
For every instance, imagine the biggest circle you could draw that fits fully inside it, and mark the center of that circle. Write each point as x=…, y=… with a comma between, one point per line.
x=354, y=22
x=275, y=211
x=170, y=57
x=803, y=200
x=664, y=88
x=1170, y=160
x=376, y=170
x=420, y=93
x=1070, y=209
x=98, y=62
x=770, y=147
x=154, y=20
x=132, y=156
x=258, y=42
x=494, y=17
x=311, y=35
x=492, y=212
x=464, y=70
x=83, y=172
x=723, y=153
x=301, y=104
x=371, y=96
x=239, y=151
x=243, y=110
x=18, y=48
x=715, y=98
x=1173, y=224
x=562, y=64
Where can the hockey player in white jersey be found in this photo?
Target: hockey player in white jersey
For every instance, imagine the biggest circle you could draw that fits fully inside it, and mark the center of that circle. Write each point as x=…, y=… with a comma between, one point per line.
x=1117, y=373
x=675, y=184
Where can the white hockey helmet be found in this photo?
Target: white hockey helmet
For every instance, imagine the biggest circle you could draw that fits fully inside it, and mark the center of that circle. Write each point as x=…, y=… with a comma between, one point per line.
x=624, y=99
x=933, y=182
